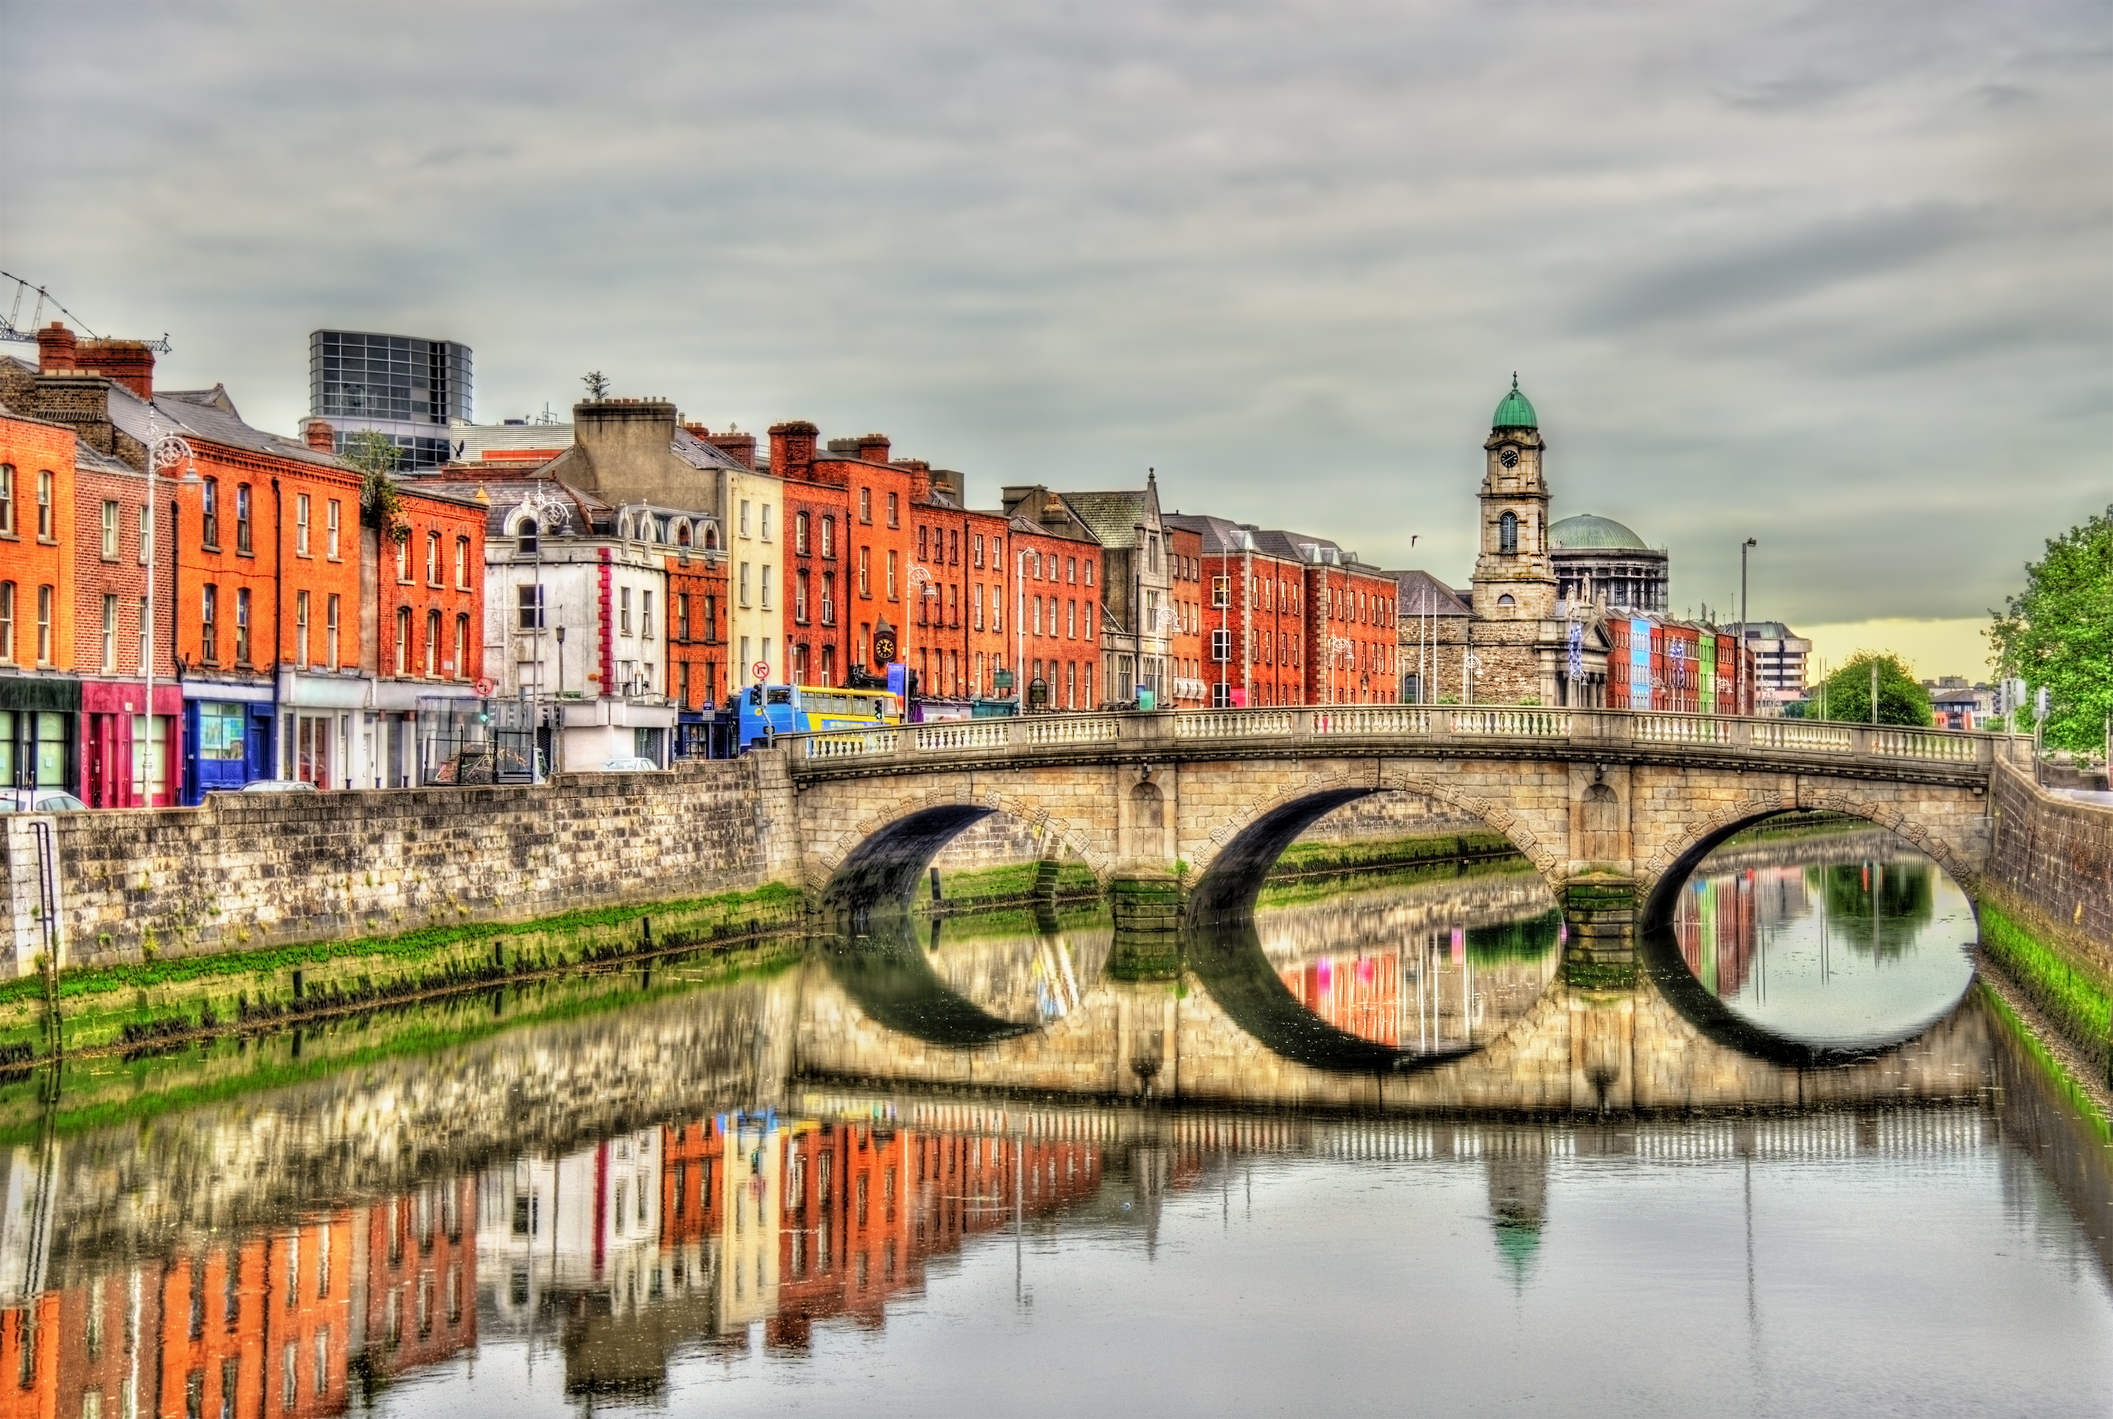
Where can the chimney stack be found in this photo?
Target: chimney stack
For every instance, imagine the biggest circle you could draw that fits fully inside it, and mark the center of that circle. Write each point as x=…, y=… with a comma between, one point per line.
x=320, y=435
x=792, y=448
x=55, y=346
x=873, y=448
x=126, y=362
x=737, y=445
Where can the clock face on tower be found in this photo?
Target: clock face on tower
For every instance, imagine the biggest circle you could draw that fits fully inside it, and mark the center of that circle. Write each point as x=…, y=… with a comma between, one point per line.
x=1509, y=458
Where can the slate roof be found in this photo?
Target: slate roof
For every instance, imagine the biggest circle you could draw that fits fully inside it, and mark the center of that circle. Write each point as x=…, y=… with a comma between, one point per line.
x=700, y=454
x=1421, y=594
x=1220, y=534
x=209, y=415
x=1112, y=518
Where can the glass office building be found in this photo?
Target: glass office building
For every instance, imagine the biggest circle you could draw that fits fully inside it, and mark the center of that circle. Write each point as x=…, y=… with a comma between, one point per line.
x=406, y=388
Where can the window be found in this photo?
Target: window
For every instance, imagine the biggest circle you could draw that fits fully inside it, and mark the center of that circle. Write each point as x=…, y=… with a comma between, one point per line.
x=432, y=645
x=744, y=583
x=865, y=505
x=1071, y=569
x=764, y=513
x=924, y=544
x=243, y=541
x=146, y=630
x=953, y=549
x=300, y=524
x=976, y=549
x=829, y=537
x=865, y=571
x=744, y=517
x=7, y=621
x=799, y=534
x=209, y=502
x=110, y=632
x=1508, y=533
x=109, y=530
x=799, y=596
x=432, y=559
x=403, y=561
x=711, y=620
x=975, y=603
x=45, y=527
x=1071, y=620
x=146, y=532
x=330, y=528
x=894, y=513
x=208, y=623
x=1089, y=573
x=330, y=626
x=892, y=568
x=828, y=598
x=7, y=499
x=462, y=564
x=403, y=640
x=766, y=585
x=682, y=618
x=531, y=607
x=623, y=610
x=525, y=537
x=242, y=626
x=645, y=613
x=300, y=628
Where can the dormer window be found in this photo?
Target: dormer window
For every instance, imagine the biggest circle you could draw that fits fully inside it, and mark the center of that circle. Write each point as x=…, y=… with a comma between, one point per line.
x=525, y=537
x=1508, y=533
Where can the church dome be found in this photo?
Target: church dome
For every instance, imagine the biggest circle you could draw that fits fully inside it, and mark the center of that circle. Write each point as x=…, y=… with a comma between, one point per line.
x=1514, y=412
x=1587, y=531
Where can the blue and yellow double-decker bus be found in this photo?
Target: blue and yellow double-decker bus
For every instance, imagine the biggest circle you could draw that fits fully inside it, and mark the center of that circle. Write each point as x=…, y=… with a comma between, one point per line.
x=812, y=709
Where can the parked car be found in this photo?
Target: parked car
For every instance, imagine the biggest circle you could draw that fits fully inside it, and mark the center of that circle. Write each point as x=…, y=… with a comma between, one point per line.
x=638, y=763
x=38, y=800
x=278, y=785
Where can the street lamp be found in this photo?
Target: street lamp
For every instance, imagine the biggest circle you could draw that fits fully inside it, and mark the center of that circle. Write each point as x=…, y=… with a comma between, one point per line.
x=164, y=451
x=1745, y=610
x=1340, y=648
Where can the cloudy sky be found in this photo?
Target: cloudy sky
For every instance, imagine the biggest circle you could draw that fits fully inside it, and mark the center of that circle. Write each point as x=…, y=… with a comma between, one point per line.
x=1835, y=276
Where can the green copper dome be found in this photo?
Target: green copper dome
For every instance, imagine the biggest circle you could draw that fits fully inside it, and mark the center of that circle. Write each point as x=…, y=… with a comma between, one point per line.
x=1515, y=412
x=1587, y=531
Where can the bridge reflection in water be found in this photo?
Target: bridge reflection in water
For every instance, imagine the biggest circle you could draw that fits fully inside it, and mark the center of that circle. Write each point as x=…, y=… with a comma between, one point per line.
x=707, y=1173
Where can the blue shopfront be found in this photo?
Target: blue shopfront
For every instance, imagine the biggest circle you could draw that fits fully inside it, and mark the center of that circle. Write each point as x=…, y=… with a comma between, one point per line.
x=227, y=738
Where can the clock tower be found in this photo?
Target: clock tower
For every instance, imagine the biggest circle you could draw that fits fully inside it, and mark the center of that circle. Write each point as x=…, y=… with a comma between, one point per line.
x=1514, y=578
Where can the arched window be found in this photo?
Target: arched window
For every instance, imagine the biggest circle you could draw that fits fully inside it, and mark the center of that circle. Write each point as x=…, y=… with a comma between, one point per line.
x=525, y=536
x=711, y=536
x=682, y=534
x=1508, y=533
x=1505, y=603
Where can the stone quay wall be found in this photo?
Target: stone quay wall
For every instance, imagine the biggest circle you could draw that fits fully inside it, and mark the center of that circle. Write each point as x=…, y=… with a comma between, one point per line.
x=247, y=871
x=2053, y=857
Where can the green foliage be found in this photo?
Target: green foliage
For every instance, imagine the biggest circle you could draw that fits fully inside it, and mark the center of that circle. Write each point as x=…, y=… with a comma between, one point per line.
x=2076, y=1000
x=1847, y=692
x=2058, y=632
x=597, y=384
x=381, y=504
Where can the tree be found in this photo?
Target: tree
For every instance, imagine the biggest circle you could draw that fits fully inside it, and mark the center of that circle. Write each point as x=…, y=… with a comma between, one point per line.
x=597, y=384
x=1847, y=692
x=2058, y=632
x=381, y=505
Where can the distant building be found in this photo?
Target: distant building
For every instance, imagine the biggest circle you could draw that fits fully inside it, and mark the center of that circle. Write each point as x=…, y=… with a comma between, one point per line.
x=1597, y=556
x=1956, y=704
x=1779, y=661
x=407, y=388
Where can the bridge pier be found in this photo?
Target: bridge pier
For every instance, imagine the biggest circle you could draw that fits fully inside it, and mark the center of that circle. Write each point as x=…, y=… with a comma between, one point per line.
x=1603, y=914
x=1147, y=905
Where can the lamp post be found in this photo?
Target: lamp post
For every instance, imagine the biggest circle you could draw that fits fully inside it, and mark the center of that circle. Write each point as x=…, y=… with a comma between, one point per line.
x=164, y=450
x=1339, y=649
x=1745, y=611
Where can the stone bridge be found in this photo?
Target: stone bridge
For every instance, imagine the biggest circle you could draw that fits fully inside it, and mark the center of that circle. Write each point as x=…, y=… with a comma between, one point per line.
x=1181, y=814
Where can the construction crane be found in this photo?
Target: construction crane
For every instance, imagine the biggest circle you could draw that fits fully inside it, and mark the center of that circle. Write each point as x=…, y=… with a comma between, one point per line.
x=12, y=329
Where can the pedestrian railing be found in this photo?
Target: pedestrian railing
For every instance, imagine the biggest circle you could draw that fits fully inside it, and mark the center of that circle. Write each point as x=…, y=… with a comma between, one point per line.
x=1579, y=732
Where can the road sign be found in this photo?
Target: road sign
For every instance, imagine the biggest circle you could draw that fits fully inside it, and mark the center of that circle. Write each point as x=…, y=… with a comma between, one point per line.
x=761, y=670
x=485, y=688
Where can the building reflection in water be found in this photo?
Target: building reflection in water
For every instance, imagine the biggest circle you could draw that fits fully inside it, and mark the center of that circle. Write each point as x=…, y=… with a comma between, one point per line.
x=1443, y=990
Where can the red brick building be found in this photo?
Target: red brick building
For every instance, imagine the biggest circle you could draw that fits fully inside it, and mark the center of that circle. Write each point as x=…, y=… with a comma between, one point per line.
x=39, y=699
x=1185, y=550
x=1253, y=630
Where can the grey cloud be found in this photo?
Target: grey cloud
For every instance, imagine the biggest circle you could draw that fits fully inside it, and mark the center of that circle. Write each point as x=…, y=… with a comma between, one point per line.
x=1786, y=266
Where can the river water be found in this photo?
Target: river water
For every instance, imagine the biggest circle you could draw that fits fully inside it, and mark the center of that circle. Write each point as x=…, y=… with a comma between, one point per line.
x=1373, y=1154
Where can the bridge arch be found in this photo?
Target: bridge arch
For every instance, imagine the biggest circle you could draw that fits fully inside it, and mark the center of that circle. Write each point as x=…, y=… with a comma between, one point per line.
x=879, y=859
x=1667, y=870
x=1248, y=841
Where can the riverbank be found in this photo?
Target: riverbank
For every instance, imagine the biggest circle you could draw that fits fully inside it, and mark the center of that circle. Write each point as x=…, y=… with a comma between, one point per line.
x=126, y=1009
x=2060, y=979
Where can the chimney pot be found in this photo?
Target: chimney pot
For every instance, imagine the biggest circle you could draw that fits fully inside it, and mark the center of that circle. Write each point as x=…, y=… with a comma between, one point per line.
x=873, y=448
x=55, y=348
x=320, y=435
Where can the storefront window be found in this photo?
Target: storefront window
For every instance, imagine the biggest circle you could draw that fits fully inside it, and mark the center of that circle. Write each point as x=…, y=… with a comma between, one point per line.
x=220, y=731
